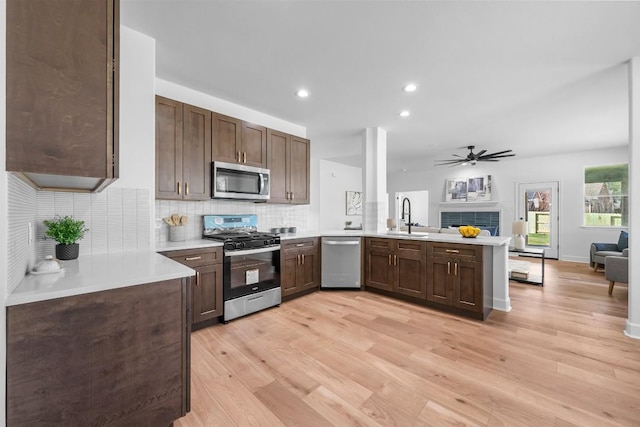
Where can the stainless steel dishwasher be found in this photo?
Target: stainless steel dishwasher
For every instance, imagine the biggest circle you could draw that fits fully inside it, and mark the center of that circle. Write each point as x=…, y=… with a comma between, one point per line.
x=341, y=262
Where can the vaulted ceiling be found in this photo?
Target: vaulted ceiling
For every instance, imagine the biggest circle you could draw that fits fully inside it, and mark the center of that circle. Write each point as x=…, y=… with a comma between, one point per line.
x=535, y=77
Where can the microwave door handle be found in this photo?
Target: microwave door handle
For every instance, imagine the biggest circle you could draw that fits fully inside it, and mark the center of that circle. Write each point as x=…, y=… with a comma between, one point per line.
x=261, y=183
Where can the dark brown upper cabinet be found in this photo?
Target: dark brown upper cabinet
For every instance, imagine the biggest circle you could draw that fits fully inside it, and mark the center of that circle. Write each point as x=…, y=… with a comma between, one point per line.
x=183, y=151
x=62, y=92
x=288, y=159
x=235, y=141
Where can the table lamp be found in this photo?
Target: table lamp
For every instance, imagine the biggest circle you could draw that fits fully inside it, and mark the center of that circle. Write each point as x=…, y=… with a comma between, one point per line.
x=519, y=228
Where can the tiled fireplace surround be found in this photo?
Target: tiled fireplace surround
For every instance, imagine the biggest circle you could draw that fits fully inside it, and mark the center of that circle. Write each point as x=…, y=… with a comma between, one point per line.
x=119, y=220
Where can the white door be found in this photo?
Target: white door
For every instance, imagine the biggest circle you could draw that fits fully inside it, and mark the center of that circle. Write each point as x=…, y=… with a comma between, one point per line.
x=538, y=205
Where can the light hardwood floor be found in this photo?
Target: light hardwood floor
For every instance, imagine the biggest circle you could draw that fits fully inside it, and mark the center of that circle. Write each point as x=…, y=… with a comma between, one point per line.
x=348, y=358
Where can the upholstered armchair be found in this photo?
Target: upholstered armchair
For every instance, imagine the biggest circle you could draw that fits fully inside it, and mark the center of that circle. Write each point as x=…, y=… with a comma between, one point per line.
x=599, y=251
x=616, y=269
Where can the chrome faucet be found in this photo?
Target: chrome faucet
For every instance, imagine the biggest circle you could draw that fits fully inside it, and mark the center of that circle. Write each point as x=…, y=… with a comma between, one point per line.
x=406, y=199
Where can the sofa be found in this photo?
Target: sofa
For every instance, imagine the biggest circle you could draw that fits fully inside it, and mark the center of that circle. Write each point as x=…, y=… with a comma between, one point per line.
x=616, y=269
x=599, y=251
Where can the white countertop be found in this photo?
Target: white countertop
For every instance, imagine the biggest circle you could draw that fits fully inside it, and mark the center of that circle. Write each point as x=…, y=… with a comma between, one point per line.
x=433, y=237
x=188, y=244
x=96, y=273
x=430, y=237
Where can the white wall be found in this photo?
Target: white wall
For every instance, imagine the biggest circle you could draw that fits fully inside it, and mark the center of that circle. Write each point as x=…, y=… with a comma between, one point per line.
x=567, y=169
x=335, y=180
x=419, y=207
x=137, y=111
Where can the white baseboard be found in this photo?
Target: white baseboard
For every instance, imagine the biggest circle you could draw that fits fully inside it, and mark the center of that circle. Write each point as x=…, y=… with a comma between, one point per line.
x=501, y=304
x=632, y=330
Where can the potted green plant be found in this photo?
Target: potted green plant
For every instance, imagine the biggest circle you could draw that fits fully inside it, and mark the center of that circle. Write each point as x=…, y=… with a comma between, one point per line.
x=66, y=231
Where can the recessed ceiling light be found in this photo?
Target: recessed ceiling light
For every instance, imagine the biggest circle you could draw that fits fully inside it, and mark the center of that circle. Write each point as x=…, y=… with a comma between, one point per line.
x=405, y=113
x=302, y=93
x=410, y=87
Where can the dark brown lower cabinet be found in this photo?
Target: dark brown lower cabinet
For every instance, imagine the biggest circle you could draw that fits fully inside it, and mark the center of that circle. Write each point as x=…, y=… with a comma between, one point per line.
x=118, y=357
x=447, y=276
x=208, y=302
x=300, y=260
x=456, y=277
x=397, y=266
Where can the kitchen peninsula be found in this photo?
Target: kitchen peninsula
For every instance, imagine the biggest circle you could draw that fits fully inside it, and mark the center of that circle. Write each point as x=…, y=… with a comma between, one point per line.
x=105, y=341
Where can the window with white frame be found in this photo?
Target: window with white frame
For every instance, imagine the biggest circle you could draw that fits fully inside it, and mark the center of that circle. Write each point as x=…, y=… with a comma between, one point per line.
x=606, y=195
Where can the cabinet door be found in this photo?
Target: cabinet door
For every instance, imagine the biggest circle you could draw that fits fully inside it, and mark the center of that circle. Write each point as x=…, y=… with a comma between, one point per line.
x=277, y=163
x=411, y=278
x=254, y=145
x=62, y=83
x=207, y=293
x=168, y=148
x=196, y=153
x=467, y=285
x=309, y=269
x=288, y=279
x=226, y=139
x=379, y=269
x=299, y=167
x=410, y=260
x=439, y=283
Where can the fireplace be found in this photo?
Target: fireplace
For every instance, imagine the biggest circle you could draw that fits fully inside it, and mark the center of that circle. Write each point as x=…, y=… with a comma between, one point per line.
x=489, y=220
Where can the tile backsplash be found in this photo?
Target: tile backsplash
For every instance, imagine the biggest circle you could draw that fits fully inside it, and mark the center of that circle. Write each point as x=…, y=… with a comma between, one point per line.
x=269, y=215
x=22, y=201
x=119, y=220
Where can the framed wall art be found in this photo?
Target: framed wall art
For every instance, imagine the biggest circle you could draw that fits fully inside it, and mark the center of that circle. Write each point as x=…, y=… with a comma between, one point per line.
x=456, y=190
x=354, y=203
x=479, y=189
x=475, y=189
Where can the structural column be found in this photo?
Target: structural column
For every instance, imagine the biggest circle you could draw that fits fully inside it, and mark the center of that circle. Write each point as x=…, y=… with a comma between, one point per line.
x=633, y=321
x=374, y=180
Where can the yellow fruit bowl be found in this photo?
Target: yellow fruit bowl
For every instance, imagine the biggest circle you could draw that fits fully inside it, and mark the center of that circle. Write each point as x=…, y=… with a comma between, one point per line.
x=469, y=231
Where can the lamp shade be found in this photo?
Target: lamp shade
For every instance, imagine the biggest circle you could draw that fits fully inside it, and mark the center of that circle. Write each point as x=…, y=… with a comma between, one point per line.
x=391, y=223
x=519, y=227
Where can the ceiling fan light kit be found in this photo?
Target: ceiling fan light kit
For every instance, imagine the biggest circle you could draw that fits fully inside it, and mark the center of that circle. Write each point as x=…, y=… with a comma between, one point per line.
x=473, y=158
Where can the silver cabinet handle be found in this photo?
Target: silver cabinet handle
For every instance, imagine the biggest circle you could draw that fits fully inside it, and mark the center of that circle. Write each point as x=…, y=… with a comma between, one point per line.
x=193, y=258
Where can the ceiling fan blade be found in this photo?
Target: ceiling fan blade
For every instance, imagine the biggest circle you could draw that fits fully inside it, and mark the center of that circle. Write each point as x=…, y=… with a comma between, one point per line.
x=479, y=154
x=498, y=157
x=499, y=152
x=449, y=162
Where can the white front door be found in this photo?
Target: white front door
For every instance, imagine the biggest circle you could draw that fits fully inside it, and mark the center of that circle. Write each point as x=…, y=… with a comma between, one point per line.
x=538, y=205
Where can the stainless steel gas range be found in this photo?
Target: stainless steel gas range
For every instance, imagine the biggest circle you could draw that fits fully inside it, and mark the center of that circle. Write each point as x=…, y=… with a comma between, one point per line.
x=251, y=265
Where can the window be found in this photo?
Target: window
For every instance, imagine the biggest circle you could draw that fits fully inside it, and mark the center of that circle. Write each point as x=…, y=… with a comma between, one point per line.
x=606, y=198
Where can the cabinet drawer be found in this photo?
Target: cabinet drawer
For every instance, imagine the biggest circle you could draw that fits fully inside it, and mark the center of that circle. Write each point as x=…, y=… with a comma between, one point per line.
x=469, y=252
x=299, y=244
x=196, y=257
x=383, y=244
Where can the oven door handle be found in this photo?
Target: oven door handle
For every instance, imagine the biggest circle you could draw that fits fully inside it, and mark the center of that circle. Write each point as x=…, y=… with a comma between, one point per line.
x=252, y=251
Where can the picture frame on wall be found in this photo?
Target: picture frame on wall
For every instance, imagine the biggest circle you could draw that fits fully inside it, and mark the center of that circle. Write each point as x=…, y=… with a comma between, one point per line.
x=456, y=190
x=479, y=189
x=354, y=202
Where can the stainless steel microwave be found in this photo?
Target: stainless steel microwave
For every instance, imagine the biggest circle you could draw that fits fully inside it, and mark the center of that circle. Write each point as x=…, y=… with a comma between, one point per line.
x=234, y=181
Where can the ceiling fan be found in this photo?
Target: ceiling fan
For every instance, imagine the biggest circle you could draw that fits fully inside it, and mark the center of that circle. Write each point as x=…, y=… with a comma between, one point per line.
x=473, y=158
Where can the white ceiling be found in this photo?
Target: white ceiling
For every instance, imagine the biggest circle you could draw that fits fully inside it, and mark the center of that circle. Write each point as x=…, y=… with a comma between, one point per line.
x=535, y=77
